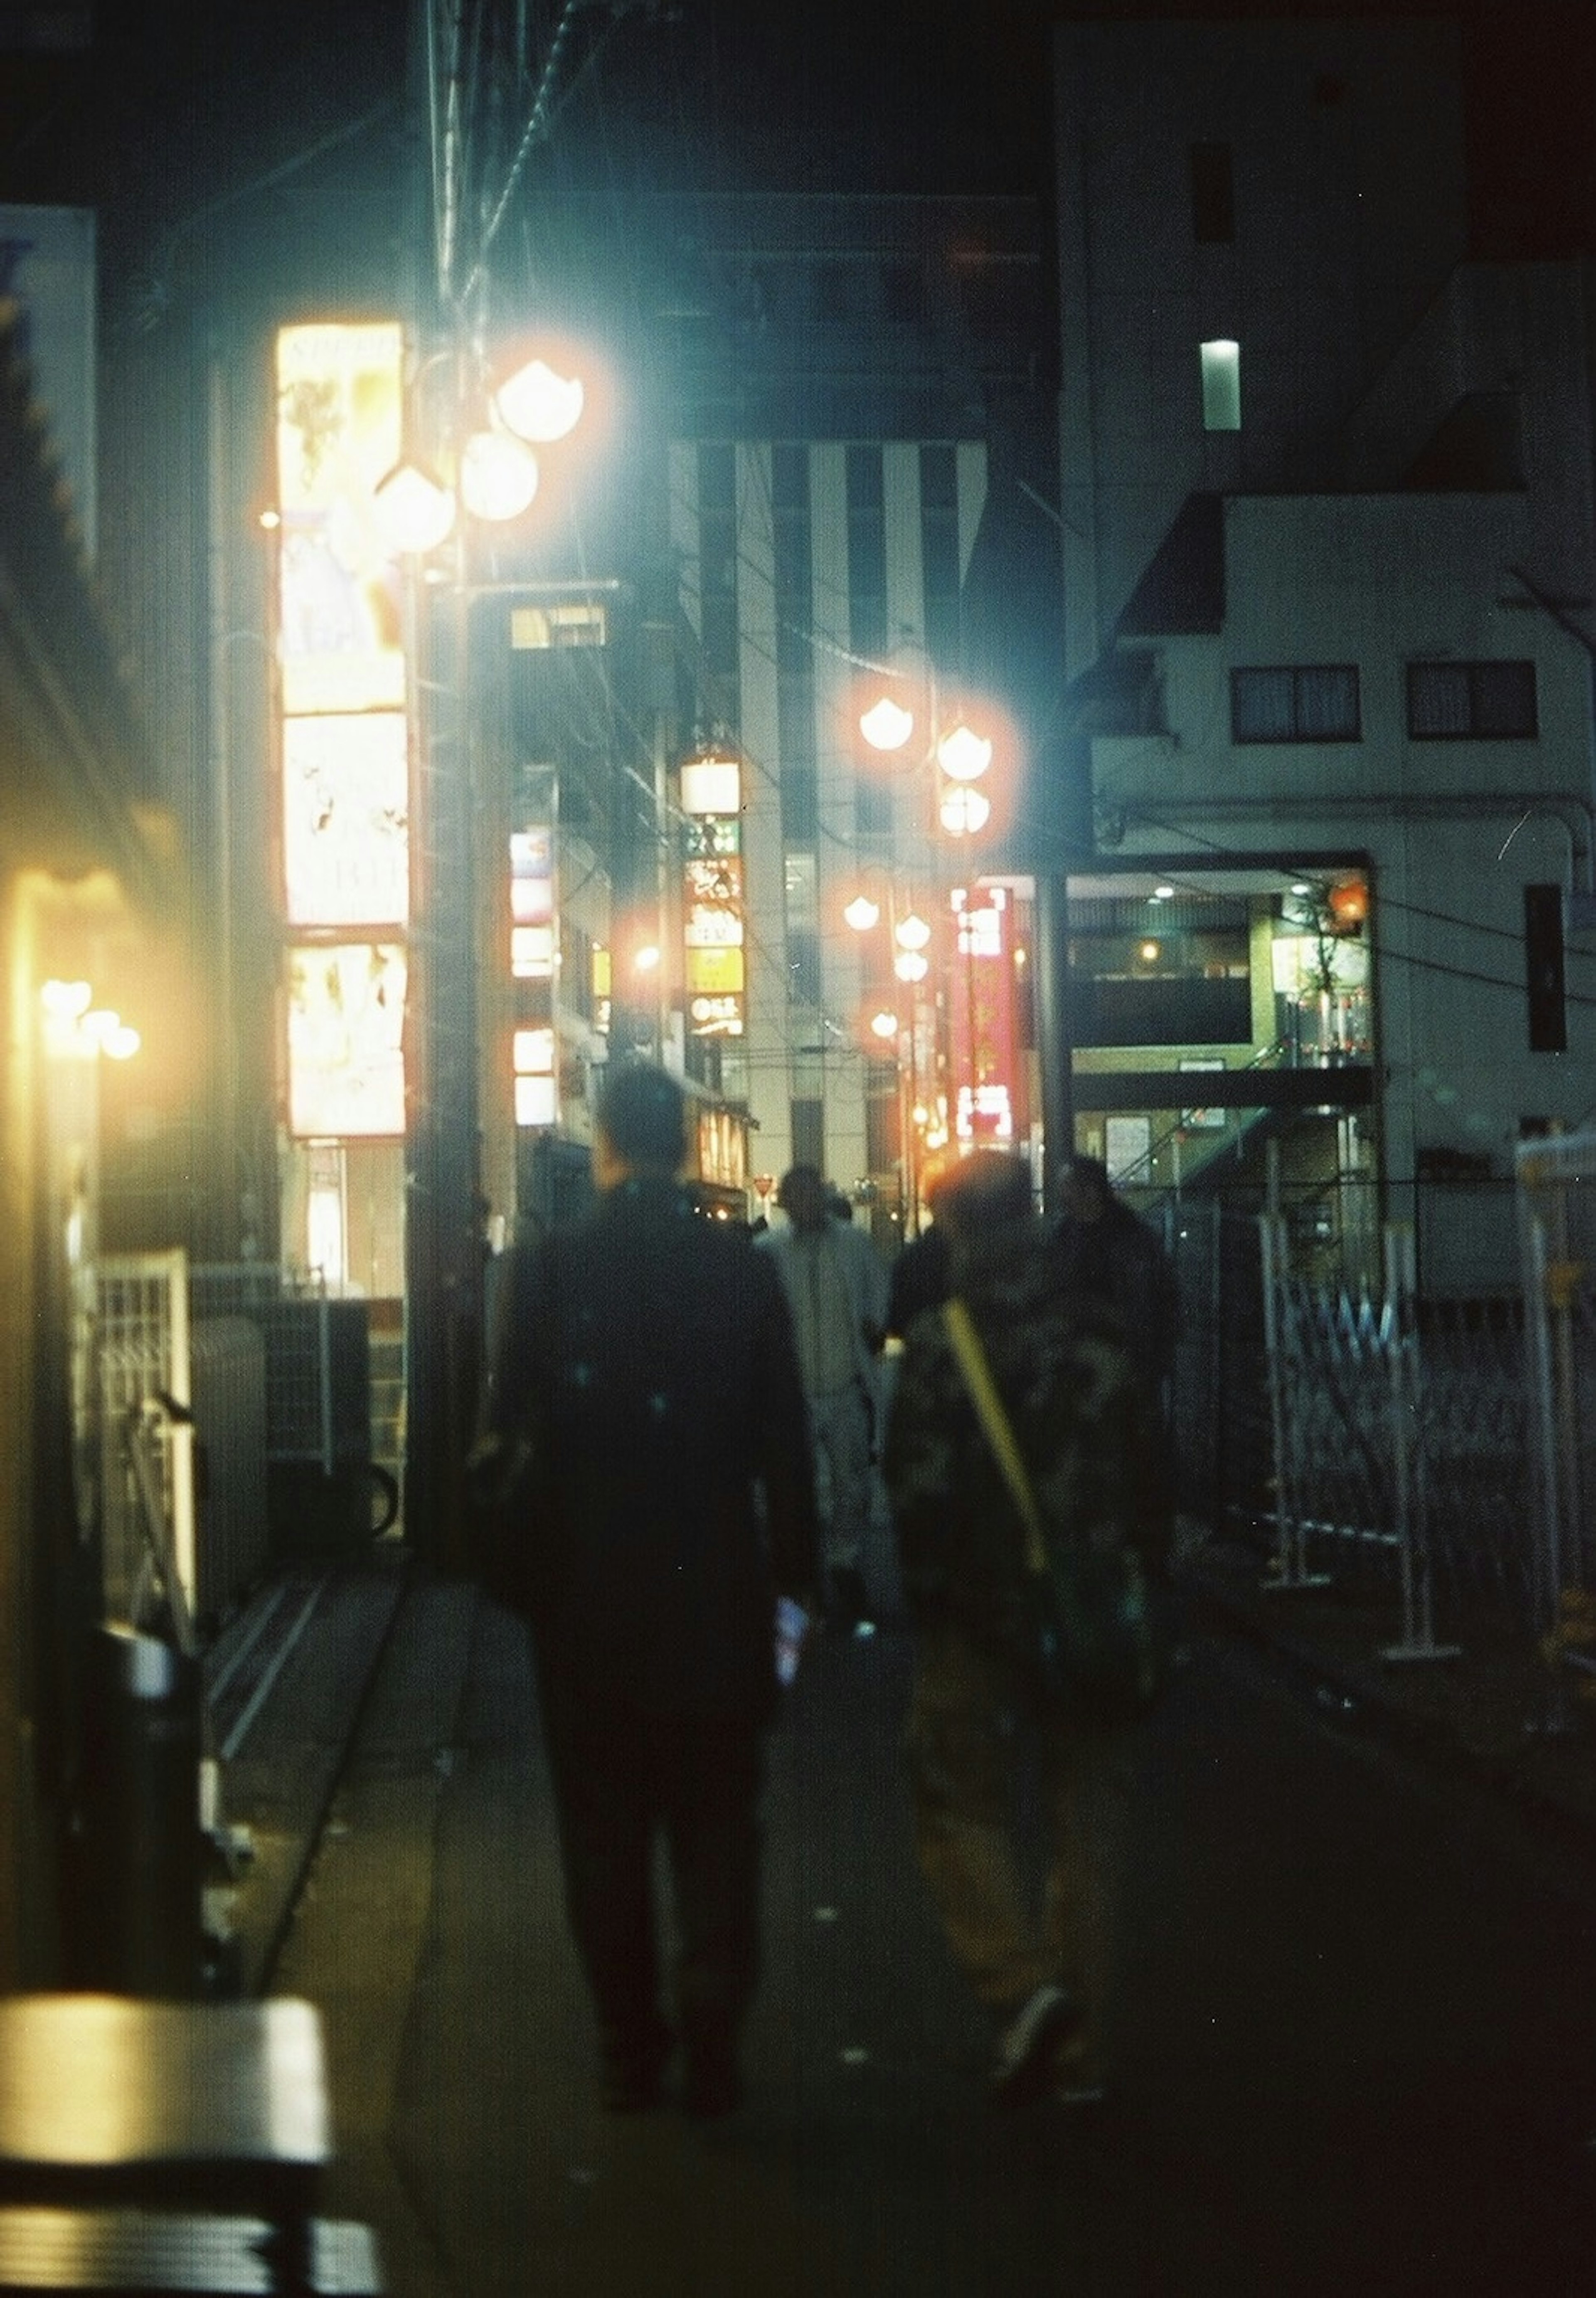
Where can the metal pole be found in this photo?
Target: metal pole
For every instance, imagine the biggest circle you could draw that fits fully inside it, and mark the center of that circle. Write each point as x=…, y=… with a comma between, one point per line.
x=1418, y=1629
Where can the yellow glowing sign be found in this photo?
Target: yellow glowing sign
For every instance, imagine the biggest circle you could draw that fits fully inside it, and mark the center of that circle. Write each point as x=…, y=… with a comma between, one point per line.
x=345, y=852
x=340, y=636
x=345, y=1030
x=715, y=972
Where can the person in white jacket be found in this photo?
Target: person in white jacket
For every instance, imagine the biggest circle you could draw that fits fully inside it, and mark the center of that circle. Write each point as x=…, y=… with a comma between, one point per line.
x=836, y=1287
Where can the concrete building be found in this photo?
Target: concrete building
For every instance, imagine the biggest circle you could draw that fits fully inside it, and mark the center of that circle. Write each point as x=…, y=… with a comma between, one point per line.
x=1327, y=495
x=855, y=397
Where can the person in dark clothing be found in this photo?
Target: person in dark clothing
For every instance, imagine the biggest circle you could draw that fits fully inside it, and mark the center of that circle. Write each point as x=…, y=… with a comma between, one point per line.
x=645, y=1365
x=920, y=1280
x=1102, y=1250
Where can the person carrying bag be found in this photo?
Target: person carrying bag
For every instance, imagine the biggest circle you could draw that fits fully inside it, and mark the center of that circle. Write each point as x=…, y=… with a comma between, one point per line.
x=1031, y=1546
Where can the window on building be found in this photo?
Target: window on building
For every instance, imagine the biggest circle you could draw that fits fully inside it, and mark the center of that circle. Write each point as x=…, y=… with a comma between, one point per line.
x=940, y=549
x=717, y=557
x=1221, y=384
x=1214, y=194
x=867, y=603
x=1482, y=701
x=803, y=929
x=1313, y=702
x=808, y=1119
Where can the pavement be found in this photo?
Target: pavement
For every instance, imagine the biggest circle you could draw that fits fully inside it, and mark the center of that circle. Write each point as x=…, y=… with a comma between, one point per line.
x=366, y=1784
x=1480, y=1701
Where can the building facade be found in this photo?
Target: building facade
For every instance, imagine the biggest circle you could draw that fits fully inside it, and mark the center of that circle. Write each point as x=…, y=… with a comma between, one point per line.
x=1328, y=511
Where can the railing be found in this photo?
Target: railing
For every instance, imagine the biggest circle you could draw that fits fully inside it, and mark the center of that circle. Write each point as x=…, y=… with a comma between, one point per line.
x=1367, y=1435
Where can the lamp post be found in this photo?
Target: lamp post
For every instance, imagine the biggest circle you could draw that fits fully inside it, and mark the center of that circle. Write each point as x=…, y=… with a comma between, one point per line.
x=964, y=747
x=483, y=470
x=910, y=935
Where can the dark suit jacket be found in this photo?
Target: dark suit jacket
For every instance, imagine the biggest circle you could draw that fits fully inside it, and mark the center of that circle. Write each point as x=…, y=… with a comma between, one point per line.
x=647, y=1354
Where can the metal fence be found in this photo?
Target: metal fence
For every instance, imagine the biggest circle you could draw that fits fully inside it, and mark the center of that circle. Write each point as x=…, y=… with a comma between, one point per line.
x=139, y=1344
x=1378, y=1435
x=1557, y=1194
x=318, y=1368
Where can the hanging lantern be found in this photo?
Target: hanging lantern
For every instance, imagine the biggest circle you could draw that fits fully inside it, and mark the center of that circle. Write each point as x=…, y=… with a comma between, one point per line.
x=1348, y=905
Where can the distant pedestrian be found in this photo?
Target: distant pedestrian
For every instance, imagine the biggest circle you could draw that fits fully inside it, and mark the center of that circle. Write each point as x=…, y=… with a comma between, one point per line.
x=1105, y=1250
x=977, y=1717
x=836, y=1287
x=646, y=1366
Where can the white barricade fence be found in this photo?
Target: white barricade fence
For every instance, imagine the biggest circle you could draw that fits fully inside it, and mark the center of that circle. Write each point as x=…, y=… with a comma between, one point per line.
x=1557, y=1203
x=1399, y=1429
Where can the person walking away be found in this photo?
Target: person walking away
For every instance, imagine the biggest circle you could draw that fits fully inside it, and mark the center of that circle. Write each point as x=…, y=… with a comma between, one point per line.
x=836, y=1288
x=1103, y=1249
x=978, y=1721
x=645, y=1367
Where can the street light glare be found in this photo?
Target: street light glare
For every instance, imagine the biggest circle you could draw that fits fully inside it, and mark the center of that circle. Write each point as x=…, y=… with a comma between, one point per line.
x=913, y=933
x=884, y=1026
x=414, y=510
x=911, y=965
x=862, y=914
x=965, y=810
x=964, y=754
x=499, y=476
x=887, y=725
x=539, y=405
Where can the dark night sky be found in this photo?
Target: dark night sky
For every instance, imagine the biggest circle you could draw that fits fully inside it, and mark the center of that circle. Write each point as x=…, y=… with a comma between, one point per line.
x=180, y=104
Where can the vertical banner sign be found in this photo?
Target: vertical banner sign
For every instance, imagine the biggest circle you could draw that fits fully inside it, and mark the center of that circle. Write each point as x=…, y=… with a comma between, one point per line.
x=342, y=731
x=712, y=897
x=982, y=1003
x=532, y=963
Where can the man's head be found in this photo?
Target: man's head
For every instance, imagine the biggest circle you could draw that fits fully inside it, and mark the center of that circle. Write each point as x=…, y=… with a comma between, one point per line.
x=981, y=1193
x=640, y=1125
x=1086, y=1194
x=802, y=1198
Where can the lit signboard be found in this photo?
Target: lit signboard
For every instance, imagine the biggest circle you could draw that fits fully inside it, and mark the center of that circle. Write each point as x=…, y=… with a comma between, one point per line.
x=982, y=1017
x=341, y=729
x=345, y=851
x=345, y=1032
x=339, y=634
x=712, y=896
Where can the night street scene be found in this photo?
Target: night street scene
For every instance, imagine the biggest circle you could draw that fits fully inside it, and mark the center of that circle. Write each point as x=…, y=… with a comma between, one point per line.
x=797, y=922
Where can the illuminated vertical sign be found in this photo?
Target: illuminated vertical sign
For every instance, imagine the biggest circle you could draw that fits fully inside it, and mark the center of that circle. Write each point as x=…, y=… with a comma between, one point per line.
x=983, y=1017
x=712, y=897
x=533, y=952
x=342, y=731
x=345, y=1041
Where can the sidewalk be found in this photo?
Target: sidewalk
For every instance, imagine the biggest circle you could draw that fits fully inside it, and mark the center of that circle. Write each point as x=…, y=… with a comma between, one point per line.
x=1492, y=1711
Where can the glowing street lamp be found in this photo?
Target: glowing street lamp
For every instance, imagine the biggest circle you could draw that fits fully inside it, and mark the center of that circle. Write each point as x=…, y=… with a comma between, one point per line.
x=961, y=752
x=539, y=405
x=499, y=476
x=887, y=725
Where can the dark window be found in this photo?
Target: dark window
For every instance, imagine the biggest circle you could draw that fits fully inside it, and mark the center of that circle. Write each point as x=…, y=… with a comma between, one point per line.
x=802, y=965
x=717, y=557
x=1214, y=194
x=940, y=551
x=808, y=1132
x=1485, y=701
x=1316, y=702
x=867, y=604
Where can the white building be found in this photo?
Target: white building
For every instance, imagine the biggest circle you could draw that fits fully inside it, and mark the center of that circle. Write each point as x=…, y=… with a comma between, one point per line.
x=1328, y=501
